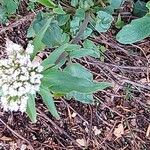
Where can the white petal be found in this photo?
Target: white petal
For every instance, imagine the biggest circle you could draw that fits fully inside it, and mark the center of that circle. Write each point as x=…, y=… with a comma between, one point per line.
x=29, y=48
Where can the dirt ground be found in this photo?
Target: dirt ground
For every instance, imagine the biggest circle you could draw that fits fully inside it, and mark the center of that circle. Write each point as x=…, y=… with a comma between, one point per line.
x=120, y=118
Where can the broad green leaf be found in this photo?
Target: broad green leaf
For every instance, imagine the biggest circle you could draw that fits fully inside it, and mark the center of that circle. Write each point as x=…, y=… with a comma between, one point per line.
x=76, y=21
x=81, y=97
x=78, y=70
x=31, y=109
x=49, y=101
x=136, y=31
x=59, y=54
x=82, y=52
x=72, y=47
x=86, y=33
x=3, y=15
x=30, y=32
x=115, y=4
x=36, y=25
x=47, y=3
x=74, y=25
x=80, y=13
x=10, y=5
x=63, y=82
x=62, y=19
x=73, y=50
x=53, y=36
x=59, y=10
x=88, y=44
x=51, y=59
x=139, y=8
x=37, y=42
x=103, y=21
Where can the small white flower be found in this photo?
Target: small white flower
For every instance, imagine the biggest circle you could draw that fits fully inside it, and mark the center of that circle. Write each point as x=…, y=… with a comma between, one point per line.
x=18, y=77
x=23, y=103
x=36, y=87
x=17, y=85
x=29, y=49
x=38, y=81
x=5, y=87
x=39, y=69
x=21, y=90
x=17, y=72
x=11, y=70
x=13, y=106
x=4, y=103
x=12, y=47
x=23, y=78
x=4, y=63
x=24, y=69
x=35, y=64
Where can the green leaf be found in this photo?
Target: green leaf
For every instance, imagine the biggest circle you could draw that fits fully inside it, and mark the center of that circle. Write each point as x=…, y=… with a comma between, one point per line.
x=49, y=102
x=78, y=70
x=86, y=4
x=88, y=44
x=113, y=4
x=80, y=13
x=59, y=10
x=76, y=21
x=148, y=6
x=31, y=109
x=37, y=42
x=139, y=8
x=10, y=5
x=73, y=50
x=119, y=23
x=36, y=25
x=3, y=15
x=31, y=6
x=60, y=54
x=103, y=21
x=136, y=31
x=86, y=33
x=63, y=82
x=74, y=25
x=62, y=19
x=81, y=97
x=82, y=52
x=53, y=36
x=54, y=56
x=47, y=3
x=74, y=3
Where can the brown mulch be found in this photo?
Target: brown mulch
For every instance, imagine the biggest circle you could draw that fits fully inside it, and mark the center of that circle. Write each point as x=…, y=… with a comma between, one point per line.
x=121, y=113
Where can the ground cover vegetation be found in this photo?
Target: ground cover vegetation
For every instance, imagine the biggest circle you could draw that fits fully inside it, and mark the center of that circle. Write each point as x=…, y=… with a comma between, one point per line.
x=74, y=74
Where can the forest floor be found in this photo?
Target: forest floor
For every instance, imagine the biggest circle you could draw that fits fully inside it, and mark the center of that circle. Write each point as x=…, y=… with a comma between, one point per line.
x=120, y=118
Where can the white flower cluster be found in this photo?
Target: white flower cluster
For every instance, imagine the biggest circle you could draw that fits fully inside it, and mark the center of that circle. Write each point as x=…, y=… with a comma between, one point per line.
x=18, y=77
